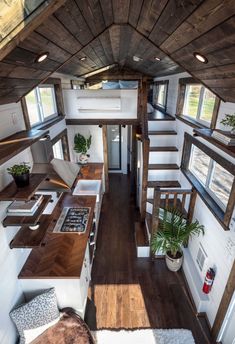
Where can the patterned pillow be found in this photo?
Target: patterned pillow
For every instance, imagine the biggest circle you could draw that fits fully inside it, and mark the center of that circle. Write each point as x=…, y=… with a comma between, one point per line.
x=40, y=311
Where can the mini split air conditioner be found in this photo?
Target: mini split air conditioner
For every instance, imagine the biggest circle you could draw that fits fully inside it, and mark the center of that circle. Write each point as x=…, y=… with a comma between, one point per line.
x=99, y=104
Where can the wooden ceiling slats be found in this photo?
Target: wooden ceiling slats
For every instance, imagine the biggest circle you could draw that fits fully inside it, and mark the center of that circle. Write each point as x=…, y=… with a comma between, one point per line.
x=107, y=9
x=37, y=43
x=151, y=11
x=12, y=71
x=93, y=14
x=208, y=15
x=175, y=12
x=71, y=17
x=120, y=11
x=54, y=31
x=134, y=11
x=26, y=58
x=113, y=31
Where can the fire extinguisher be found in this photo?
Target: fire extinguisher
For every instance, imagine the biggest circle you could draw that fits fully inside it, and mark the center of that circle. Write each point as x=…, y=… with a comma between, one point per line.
x=209, y=279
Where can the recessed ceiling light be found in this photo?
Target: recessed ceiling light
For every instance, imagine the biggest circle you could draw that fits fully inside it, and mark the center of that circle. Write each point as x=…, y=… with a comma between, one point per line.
x=42, y=57
x=82, y=58
x=137, y=59
x=200, y=57
x=157, y=58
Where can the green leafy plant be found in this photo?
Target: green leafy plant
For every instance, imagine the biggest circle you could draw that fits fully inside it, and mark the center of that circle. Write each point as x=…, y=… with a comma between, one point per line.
x=174, y=232
x=18, y=170
x=81, y=144
x=229, y=120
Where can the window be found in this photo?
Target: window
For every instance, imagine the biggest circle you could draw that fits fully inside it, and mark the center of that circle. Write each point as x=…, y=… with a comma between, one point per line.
x=160, y=94
x=41, y=104
x=58, y=150
x=216, y=180
x=199, y=103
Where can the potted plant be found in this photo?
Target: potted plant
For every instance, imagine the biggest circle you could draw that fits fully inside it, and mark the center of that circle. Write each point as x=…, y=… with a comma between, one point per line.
x=174, y=232
x=82, y=145
x=229, y=120
x=20, y=173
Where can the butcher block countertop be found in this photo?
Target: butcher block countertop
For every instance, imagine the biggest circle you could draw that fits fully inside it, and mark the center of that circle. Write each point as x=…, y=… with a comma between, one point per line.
x=63, y=254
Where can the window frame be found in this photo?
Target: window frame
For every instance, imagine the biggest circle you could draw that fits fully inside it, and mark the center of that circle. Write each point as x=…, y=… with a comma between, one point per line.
x=222, y=215
x=58, y=101
x=158, y=84
x=209, y=178
x=182, y=94
x=63, y=136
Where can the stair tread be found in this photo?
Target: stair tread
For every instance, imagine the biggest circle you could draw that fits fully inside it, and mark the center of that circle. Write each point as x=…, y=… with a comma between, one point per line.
x=164, y=183
x=159, y=116
x=163, y=167
x=163, y=149
x=162, y=132
x=141, y=236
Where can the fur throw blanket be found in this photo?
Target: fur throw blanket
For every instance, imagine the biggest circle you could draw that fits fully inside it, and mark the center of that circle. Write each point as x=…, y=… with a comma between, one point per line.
x=71, y=329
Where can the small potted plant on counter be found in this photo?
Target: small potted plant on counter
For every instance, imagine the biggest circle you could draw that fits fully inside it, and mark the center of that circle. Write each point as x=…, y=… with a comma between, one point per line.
x=20, y=173
x=82, y=145
x=174, y=231
x=229, y=121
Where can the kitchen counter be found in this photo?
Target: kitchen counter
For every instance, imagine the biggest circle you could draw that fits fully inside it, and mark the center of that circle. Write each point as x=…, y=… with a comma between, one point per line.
x=62, y=254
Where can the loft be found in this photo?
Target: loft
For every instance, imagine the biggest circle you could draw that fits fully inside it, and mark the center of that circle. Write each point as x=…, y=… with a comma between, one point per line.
x=117, y=154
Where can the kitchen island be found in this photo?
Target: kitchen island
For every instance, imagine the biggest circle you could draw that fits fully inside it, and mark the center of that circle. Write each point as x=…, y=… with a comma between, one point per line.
x=64, y=260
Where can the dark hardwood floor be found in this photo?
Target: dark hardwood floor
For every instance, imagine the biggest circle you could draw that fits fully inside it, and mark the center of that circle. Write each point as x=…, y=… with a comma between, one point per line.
x=127, y=292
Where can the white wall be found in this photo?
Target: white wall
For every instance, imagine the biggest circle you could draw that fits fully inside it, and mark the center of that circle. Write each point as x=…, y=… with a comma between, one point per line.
x=128, y=103
x=218, y=244
x=11, y=261
x=96, y=150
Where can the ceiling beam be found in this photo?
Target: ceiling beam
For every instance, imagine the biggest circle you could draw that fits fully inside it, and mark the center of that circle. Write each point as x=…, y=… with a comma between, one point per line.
x=21, y=31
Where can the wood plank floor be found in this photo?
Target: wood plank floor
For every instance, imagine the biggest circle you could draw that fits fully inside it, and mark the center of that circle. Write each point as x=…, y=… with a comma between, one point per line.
x=127, y=292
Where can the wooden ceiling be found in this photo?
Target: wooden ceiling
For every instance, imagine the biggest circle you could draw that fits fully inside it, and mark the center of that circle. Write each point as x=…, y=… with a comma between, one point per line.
x=113, y=31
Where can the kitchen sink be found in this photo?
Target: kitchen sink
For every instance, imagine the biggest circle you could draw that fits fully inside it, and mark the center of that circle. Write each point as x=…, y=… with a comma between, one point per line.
x=87, y=187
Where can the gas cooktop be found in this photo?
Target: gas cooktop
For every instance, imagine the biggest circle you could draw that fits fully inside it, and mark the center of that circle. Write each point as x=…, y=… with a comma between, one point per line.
x=72, y=220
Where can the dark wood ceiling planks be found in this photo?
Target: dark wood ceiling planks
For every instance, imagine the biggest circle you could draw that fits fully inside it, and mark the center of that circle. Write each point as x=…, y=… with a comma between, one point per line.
x=113, y=31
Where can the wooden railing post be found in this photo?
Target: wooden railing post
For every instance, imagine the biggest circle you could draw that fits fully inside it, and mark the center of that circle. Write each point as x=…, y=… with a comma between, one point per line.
x=144, y=178
x=155, y=214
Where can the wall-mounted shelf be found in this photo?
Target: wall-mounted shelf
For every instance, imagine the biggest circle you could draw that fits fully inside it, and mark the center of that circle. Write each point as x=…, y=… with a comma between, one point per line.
x=14, y=144
x=11, y=220
x=12, y=193
x=206, y=134
x=27, y=238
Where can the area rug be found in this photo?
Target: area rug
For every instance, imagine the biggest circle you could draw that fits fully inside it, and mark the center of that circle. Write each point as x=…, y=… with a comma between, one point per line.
x=148, y=336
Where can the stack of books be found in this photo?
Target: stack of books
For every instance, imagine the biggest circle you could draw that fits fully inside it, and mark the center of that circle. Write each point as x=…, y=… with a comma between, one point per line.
x=22, y=208
x=224, y=137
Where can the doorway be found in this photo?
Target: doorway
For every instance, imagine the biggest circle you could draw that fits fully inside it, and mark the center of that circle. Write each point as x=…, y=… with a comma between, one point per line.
x=227, y=333
x=114, y=135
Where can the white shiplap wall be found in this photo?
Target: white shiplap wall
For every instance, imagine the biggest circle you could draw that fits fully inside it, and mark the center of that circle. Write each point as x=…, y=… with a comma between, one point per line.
x=11, y=261
x=217, y=243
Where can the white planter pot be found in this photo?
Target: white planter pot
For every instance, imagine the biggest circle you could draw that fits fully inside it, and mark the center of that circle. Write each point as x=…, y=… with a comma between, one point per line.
x=83, y=159
x=173, y=264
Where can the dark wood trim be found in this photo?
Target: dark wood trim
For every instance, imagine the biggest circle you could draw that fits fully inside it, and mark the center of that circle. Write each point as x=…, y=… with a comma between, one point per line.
x=222, y=216
x=230, y=206
x=183, y=82
x=16, y=143
x=56, y=82
x=63, y=136
x=157, y=83
x=105, y=152
x=48, y=124
x=190, y=121
x=229, y=166
x=215, y=113
x=145, y=147
x=101, y=121
x=206, y=134
x=192, y=203
x=46, y=9
x=224, y=303
x=25, y=114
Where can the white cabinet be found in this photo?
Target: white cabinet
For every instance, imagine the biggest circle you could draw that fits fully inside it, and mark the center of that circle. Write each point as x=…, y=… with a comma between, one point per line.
x=70, y=292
